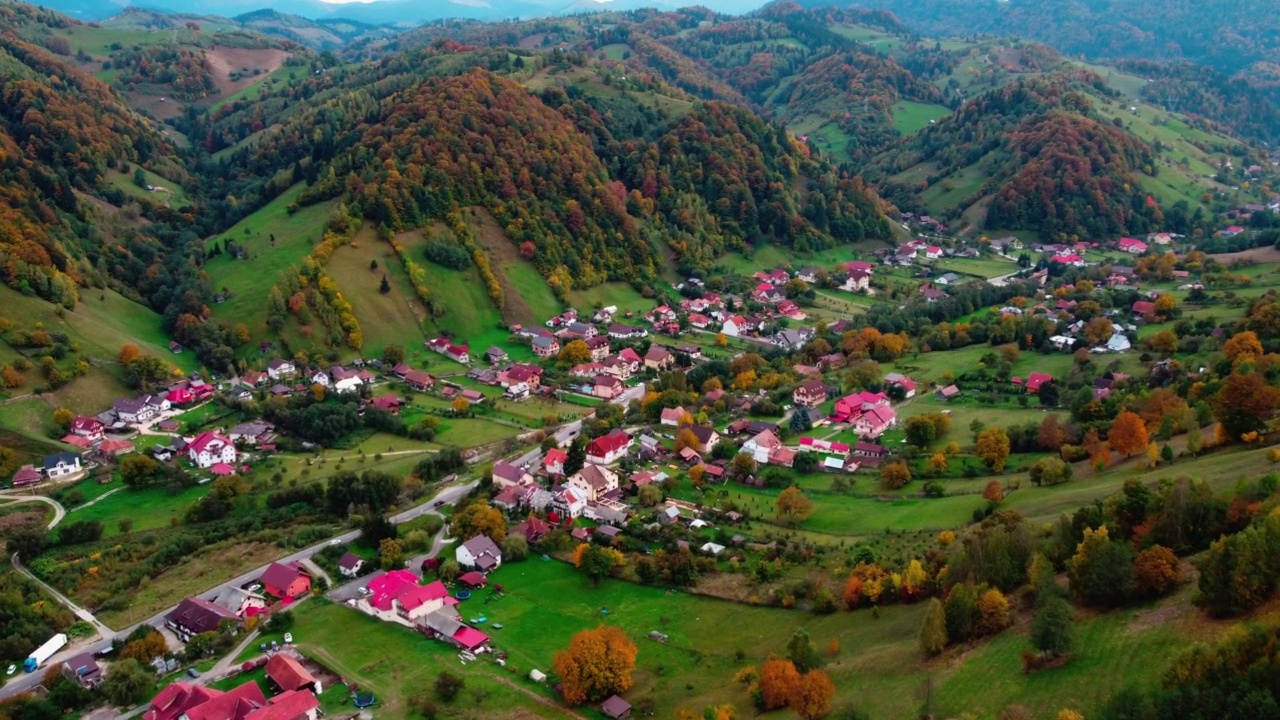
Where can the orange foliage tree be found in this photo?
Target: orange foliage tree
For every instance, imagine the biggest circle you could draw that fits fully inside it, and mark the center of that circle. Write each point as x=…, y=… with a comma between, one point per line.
x=1128, y=434
x=598, y=663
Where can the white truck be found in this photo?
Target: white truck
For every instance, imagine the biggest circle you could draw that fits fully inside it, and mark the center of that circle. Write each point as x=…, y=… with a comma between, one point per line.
x=44, y=652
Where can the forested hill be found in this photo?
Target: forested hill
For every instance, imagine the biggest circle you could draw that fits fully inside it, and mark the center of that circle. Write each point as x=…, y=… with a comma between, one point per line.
x=61, y=133
x=600, y=176
x=1049, y=161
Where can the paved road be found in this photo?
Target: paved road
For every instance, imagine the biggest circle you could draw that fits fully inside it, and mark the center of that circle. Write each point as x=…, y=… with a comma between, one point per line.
x=59, y=512
x=25, y=683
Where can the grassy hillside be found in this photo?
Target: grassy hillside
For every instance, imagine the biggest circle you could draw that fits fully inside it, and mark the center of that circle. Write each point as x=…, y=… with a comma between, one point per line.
x=246, y=283
x=527, y=296
x=391, y=318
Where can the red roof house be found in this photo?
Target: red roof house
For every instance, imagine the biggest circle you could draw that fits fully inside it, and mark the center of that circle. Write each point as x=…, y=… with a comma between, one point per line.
x=608, y=449
x=553, y=462
x=1035, y=380
x=1145, y=308
x=288, y=674
x=286, y=581
x=201, y=703
x=289, y=705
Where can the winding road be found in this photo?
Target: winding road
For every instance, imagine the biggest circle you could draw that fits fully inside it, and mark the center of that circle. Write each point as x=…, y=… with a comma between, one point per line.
x=59, y=512
x=25, y=683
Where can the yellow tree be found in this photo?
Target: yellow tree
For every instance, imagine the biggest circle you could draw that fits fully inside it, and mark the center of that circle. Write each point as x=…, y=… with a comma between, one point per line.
x=479, y=518
x=993, y=492
x=62, y=417
x=685, y=438
x=993, y=448
x=792, y=506
x=778, y=682
x=574, y=353
x=1243, y=347
x=938, y=463
x=598, y=663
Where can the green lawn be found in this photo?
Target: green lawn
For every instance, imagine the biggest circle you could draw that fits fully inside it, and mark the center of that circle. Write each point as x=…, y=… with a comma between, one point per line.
x=910, y=117
x=282, y=74
x=983, y=268
x=618, y=294
x=878, y=668
x=149, y=509
x=175, y=197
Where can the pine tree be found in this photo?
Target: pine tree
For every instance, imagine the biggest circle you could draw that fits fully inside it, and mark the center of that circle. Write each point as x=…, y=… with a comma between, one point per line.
x=933, y=634
x=1051, y=630
x=577, y=456
x=385, y=287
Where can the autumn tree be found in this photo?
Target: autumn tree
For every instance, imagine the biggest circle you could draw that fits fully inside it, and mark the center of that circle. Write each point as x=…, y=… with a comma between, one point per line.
x=479, y=518
x=938, y=463
x=778, y=682
x=993, y=492
x=1242, y=347
x=1128, y=434
x=811, y=698
x=1098, y=330
x=1163, y=342
x=1050, y=435
x=63, y=417
x=792, y=506
x=460, y=406
x=598, y=663
x=597, y=561
x=993, y=612
x=698, y=475
x=742, y=465
x=1156, y=572
x=993, y=448
x=573, y=353
x=1245, y=403
x=933, y=633
x=129, y=353
x=390, y=553
x=895, y=475
x=685, y=438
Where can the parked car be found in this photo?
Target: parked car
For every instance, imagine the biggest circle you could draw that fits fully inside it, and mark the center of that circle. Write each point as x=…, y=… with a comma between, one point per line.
x=193, y=672
x=288, y=637
x=12, y=669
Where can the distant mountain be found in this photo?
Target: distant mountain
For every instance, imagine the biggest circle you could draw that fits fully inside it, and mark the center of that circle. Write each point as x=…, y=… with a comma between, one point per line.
x=380, y=12
x=1229, y=35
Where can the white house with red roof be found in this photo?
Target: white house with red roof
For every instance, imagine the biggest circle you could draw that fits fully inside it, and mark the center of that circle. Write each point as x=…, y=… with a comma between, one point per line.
x=789, y=309
x=398, y=597
x=933, y=252
x=553, y=461
x=1068, y=259
x=609, y=449
x=907, y=384
x=734, y=326
x=810, y=394
x=209, y=449
x=874, y=422
x=1132, y=246
x=767, y=294
x=90, y=428
x=762, y=446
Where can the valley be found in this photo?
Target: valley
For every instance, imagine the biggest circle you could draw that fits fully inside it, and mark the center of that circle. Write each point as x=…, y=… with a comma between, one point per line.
x=814, y=366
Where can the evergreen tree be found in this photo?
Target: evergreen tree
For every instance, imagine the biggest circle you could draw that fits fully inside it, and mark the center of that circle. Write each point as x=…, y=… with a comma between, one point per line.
x=385, y=287
x=1051, y=630
x=577, y=456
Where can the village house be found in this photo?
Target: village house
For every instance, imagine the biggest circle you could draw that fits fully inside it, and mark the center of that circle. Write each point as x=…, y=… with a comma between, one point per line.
x=517, y=392
x=1132, y=246
x=594, y=482
x=946, y=393
x=1035, y=380
x=286, y=582
x=761, y=446
x=495, y=356
x=1144, y=308
x=289, y=675
x=671, y=416
x=507, y=475
x=397, y=597
x=874, y=422
x=545, y=347
x=83, y=670
x=389, y=404
x=553, y=461
x=570, y=502
x=196, y=615
x=607, y=387
x=419, y=380
x=88, y=428
x=899, y=380
x=790, y=310
x=209, y=449
x=239, y=601
x=810, y=393
x=707, y=437
x=618, y=331
x=933, y=295
x=519, y=373
x=609, y=449
x=851, y=406
x=133, y=411
x=279, y=369
x=61, y=465
x=857, y=280
x=658, y=358
x=26, y=475
x=480, y=553
x=599, y=347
